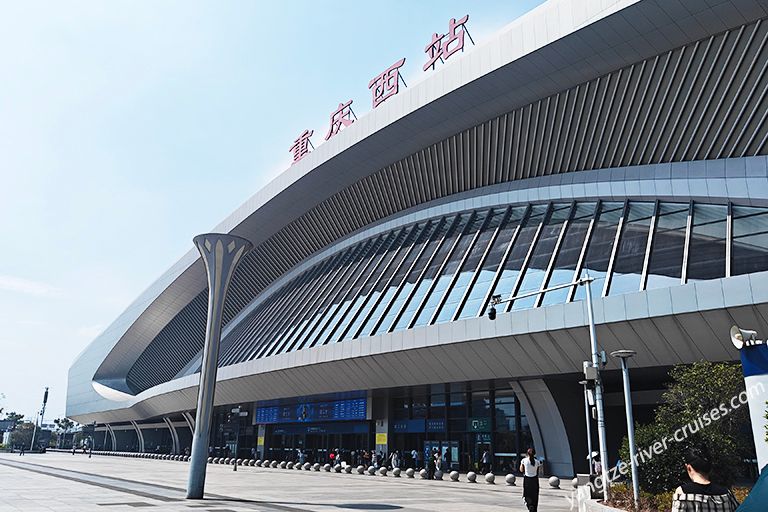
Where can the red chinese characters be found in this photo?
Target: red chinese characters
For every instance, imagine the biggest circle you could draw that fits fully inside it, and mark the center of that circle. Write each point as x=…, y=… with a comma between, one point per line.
x=443, y=46
x=341, y=117
x=386, y=84
x=300, y=147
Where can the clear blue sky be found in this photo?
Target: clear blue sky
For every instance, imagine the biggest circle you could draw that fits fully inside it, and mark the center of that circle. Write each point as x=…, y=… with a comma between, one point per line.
x=126, y=128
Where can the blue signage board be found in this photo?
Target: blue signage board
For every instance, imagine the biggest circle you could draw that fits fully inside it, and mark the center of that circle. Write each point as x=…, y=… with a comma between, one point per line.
x=337, y=410
x=436, y=425
x=324, y=428
x=405, y=426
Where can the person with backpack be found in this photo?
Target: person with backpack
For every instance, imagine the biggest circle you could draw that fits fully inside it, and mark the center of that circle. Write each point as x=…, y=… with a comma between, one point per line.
x=701, y=494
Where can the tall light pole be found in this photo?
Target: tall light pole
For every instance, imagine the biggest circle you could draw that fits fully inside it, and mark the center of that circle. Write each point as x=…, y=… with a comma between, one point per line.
x=623, y=355
x=39, y=417
x=585, y=383
x=221, y=254
x=596, y=361
x=591, y=373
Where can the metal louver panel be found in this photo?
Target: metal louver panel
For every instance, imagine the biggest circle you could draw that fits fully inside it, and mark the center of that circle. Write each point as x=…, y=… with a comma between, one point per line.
x=705, y=100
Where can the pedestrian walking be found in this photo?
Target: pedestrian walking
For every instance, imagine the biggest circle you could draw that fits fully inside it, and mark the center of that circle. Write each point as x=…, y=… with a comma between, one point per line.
x=430, y=462
x=701, y=494
x=395, y=459
x=415, y=457
x=529, y=466
x=22, y=450
x=485, y=462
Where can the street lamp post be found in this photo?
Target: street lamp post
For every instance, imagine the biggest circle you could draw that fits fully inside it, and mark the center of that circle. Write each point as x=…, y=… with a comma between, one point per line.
x=594, y=373
x=623, y=355
x=220, y=254
x=585, y=383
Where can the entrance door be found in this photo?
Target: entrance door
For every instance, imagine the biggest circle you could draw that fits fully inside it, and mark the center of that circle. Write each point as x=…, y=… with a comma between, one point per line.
x=429, y=448
x=450, y=454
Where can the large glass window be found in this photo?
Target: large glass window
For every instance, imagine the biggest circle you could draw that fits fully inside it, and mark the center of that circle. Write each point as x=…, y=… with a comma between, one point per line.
x=343, y=295
x=568, y=256
x=541, y=256
x=468, y=269
x=419, y=402
x=749, y=252
x=353, y=292
x=307, y=305
x=706, y=254
x=406, y=288
x=665, y=265
x=445, y=277
x=481, y=404
x=394, y=284
x=325, y=306
x=628, y=267
x=430, y=272
x=396, y=254
x=599, y=248
x=358, y=305
x=511, y=268
x=474, y=303
x=447, y=267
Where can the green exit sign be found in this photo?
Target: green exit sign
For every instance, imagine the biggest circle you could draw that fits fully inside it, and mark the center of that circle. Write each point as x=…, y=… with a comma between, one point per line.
x=479, y=424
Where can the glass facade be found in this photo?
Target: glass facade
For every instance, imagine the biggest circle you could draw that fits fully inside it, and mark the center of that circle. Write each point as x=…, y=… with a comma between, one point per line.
x=461, y=420
x=448, y=267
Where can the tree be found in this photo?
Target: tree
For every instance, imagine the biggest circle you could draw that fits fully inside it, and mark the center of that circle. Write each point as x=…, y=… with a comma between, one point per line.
x=15, y=417
x=64, y=424
x=695, y=390
x=23, y=434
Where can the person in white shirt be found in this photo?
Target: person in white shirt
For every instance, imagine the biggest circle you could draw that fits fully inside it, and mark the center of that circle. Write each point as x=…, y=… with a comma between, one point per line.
x=529, y=466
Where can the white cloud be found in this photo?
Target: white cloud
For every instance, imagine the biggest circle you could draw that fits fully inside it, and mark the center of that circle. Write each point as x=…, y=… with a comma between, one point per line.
x=28, y=287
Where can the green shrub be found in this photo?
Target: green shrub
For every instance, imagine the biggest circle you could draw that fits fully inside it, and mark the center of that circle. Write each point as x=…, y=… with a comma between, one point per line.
x=695, y=389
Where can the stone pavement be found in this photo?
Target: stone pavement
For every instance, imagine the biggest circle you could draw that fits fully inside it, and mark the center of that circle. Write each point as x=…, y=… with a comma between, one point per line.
x=67, y=483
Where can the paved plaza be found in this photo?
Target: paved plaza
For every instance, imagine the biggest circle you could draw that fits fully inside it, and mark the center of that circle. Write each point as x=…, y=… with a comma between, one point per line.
x=67, y=483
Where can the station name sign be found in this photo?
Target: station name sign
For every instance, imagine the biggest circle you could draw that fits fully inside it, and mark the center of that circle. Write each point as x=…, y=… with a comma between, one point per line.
x=387, y=83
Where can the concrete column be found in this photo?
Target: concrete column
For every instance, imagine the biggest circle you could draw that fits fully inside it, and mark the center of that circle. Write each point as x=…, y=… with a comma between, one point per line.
x=139, y=435
x=112, y=436
x=174, y=435
x=190, y=421
x=547, y=428
x=260, y=444
x=379, y=407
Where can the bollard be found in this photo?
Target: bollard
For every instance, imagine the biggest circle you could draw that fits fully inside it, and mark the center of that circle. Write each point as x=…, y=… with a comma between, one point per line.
x=409, y=472
x=510, y=479
x=371, y=470
x=396, y=472
x=454, y=476
x=383, y=471
x=423, y=474
x=471, y=477
x=490, y=478
x=554, y=482
x=438, y=475
x=348, y=469
x=360, y=470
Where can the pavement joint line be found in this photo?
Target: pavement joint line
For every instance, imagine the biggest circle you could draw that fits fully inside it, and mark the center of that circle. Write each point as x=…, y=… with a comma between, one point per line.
x=57, y=473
